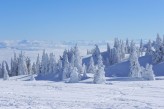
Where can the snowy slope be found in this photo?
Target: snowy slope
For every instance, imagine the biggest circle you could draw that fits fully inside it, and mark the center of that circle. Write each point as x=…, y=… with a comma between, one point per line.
x=116, y=94
x=122, y=69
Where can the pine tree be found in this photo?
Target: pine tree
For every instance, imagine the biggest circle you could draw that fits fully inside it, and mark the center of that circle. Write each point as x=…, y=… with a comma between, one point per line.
x=28, y=64
x=34, y=68
x=52, y=63
x=14, y=66
x=59, y=69
x=108, y=48
x=1, y=72
x=99, y=76
x=141, y=48
x=38, y=65
x=91, y=67
x=96, y=53
x=22, y=67
x=32, y=77
x=5, y=72
x=72, y=60
x=149, y=50
x=127, y=46
x=44, y=63
x=77, y=59
x=65, y=73
x=74, y=76
x=84, y=72
x=135, y=70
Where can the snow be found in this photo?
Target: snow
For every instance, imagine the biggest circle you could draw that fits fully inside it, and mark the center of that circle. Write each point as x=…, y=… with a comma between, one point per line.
x=117, y=93
x=20, y=92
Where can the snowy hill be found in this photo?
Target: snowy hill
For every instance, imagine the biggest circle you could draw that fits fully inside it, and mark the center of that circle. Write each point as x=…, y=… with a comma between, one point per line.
x=122, y=69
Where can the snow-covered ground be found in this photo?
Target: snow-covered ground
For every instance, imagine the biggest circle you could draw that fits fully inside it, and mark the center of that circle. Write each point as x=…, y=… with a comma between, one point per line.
x=118, y=93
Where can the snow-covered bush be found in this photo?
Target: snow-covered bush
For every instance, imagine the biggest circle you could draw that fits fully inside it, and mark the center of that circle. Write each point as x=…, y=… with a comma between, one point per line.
x=148, y=73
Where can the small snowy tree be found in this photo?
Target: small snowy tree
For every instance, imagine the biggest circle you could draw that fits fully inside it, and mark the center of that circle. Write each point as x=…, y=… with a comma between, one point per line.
x=84, y=72
x=135, y=70
x=52, y=63
x=96, y=53
x=127, y=46
x=59, y=69
x=33, y=68
x=28, y=64
x=66, y=72
x=99, y=76
x=1, y=72
x=141, y=48
x=5, y=72
x=32, y=77
x=14, y=66
x=91, y=67
x=148, y=73
x=149, y=50
x=77, y=59
x=74, y=76
x=22, y=66
x=108, y=48
x=38, y=65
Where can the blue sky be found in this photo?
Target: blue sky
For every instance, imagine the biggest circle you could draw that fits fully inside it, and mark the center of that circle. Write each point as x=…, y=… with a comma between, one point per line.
x=80, y=19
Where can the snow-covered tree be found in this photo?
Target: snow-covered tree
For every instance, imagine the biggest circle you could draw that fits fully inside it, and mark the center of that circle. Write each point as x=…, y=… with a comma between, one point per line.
x=44, y=63
x=108, y=48
x=59, y=69
x=149, y=50
x=141, y=48
x=117, y=53
x=84, y=72
x=91, y=67
x=116, y=42
x=158, y=54
x=52, y=63
x=74, y=76
x=5, y=72
x=66, y=72
x=127, y=46
x=38, y=65
x=34, y=68
x=22, y=66
x=28, y=64
x=1, y=72
x=72, y=62
x=163, y=39
x=14, y=66
x=77, y=59
x=135, y=70
x=122, y=50
x=32, y=77
x=99, y=75
x=96, y=53
x=148, y=73
x=158, y=41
